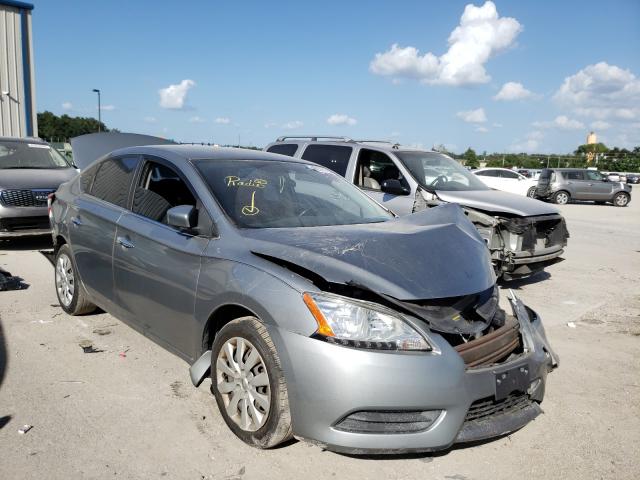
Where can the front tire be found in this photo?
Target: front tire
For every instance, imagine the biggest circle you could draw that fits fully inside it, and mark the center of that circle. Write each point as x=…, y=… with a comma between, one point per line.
x=248, y=384
x=621, y=199
x=561, y=197
x=69, y=289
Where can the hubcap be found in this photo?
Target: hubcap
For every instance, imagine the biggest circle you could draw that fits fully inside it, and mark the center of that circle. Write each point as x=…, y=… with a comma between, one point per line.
x=532, y=192
x=562, y=198
x=621, y=200
x=65, y=280
x=243, y=383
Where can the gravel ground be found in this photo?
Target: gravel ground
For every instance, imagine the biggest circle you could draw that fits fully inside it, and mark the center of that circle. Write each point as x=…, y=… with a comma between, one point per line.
x=130, y=411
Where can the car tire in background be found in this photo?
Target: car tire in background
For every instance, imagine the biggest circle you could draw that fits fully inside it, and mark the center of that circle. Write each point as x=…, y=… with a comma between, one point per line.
x=621, y=199
x=69, y=289
x=531, y=193
x=561, y=197
x=248, y=383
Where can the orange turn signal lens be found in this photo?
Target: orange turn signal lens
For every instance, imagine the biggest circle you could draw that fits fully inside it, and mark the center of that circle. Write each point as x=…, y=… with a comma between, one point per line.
x=323, y=327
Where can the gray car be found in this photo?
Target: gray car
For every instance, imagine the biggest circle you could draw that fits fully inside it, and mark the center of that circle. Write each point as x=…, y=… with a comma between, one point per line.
x=523, y=235
x=315, y=311
x=561, y=185
x=30, y=170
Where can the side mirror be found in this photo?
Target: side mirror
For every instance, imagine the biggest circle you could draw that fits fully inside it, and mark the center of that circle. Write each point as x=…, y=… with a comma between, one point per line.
x=184, y=217
x=394, y=187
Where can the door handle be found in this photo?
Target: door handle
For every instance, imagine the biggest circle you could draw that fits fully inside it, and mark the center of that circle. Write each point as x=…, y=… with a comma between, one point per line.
x=124, y=242
x=76, y=221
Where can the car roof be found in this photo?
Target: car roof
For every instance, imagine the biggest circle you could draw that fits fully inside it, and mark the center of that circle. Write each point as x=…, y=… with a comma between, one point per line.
x=382, y=145
x=204, y=152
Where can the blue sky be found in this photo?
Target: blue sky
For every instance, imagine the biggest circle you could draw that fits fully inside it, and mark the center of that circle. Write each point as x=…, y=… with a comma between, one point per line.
x=257, y=70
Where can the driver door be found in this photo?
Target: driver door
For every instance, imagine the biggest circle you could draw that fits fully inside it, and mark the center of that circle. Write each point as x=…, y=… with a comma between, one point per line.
x=156, y=266
x=372, y=169
x=599, y=187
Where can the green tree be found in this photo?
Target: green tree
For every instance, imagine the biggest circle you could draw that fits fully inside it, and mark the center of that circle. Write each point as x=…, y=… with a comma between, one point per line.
x=50, y=126
x=470, y=158
x=591, y=148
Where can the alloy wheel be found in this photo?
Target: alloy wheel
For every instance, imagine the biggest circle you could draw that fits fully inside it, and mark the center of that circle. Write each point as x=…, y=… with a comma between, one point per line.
x=243, y=383
x=562, y=198
x=65, y=280
x=621, y=200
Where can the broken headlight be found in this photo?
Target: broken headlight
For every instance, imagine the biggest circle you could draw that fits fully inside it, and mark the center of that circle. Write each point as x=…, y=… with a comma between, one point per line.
x=360, y=324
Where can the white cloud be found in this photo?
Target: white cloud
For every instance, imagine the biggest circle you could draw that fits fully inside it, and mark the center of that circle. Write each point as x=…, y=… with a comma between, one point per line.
x=600, y=125
x=341, y=119
x=67, y=106
x=513, y=91
x=481, y=34
x=174, y=96
x=270, y=125
x=482, y=129
x=293, y=125
x=150, y=120
x=197, y=119
x=562, y=122
x=223, y=120
x=602, y=91
x=107, y=108
x=473, y=116
x=497, y=125
x=529, y=144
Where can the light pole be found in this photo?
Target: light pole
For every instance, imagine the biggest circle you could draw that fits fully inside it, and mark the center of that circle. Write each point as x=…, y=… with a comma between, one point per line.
x=99, y=110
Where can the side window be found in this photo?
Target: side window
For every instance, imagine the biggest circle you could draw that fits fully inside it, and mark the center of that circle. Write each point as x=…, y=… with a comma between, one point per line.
x=508, y=174
x=575, y=175
x=596, y=176
x=113, y=178
x=288, y=149
x=86, y=178
x=334, y=157
x=375, y=167
x=159, y=189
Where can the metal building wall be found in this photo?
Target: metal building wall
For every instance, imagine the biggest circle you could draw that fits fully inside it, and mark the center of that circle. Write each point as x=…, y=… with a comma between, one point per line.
x=17, y=100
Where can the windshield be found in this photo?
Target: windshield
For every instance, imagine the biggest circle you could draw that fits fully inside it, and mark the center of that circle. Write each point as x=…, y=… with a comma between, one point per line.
x=266, y=193
x=435, y=171
x=30, y=155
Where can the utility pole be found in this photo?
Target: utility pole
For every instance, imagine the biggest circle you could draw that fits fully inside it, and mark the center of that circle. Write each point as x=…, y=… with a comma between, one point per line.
x=99, y=110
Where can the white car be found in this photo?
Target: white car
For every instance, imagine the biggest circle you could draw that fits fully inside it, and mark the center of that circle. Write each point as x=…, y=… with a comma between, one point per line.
x=507, y=181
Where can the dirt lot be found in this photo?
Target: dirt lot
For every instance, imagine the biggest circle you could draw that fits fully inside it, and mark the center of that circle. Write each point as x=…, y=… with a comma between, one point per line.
x=103, y=415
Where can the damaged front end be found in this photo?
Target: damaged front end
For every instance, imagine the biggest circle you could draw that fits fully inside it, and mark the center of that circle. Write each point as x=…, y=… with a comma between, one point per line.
x=519, y=245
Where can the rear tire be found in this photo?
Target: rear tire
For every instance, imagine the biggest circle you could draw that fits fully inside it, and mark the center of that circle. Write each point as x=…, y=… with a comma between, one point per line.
x=248, y=384
x=69, y=289
x=621, y=199
x=531, y=193
x=561, y=197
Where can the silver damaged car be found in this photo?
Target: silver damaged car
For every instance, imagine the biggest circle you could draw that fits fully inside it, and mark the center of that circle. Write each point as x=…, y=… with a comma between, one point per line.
x=316, y=312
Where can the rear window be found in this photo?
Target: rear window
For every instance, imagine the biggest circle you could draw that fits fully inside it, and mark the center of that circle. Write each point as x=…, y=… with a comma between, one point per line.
x=334, y=157
x=288, y=149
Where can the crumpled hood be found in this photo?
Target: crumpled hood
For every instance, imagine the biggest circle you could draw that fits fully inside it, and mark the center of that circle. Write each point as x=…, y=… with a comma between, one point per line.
x=495, y=201
x=35, y=178
x=436, y=253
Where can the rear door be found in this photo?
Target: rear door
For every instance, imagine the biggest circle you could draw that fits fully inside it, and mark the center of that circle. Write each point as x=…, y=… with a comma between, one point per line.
x=93, y=217
x=156, y=266
x=577, y=185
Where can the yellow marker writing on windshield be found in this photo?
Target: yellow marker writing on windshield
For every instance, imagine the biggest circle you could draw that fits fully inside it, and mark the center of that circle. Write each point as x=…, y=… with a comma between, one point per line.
x=251, y=209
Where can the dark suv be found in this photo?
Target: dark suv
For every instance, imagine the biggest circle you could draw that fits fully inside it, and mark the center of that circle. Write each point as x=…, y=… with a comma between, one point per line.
x=561, y=185
x=29, y=171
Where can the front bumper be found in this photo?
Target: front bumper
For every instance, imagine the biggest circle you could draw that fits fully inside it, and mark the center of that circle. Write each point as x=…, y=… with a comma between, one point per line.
x=23, y=221
x=327, y=383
